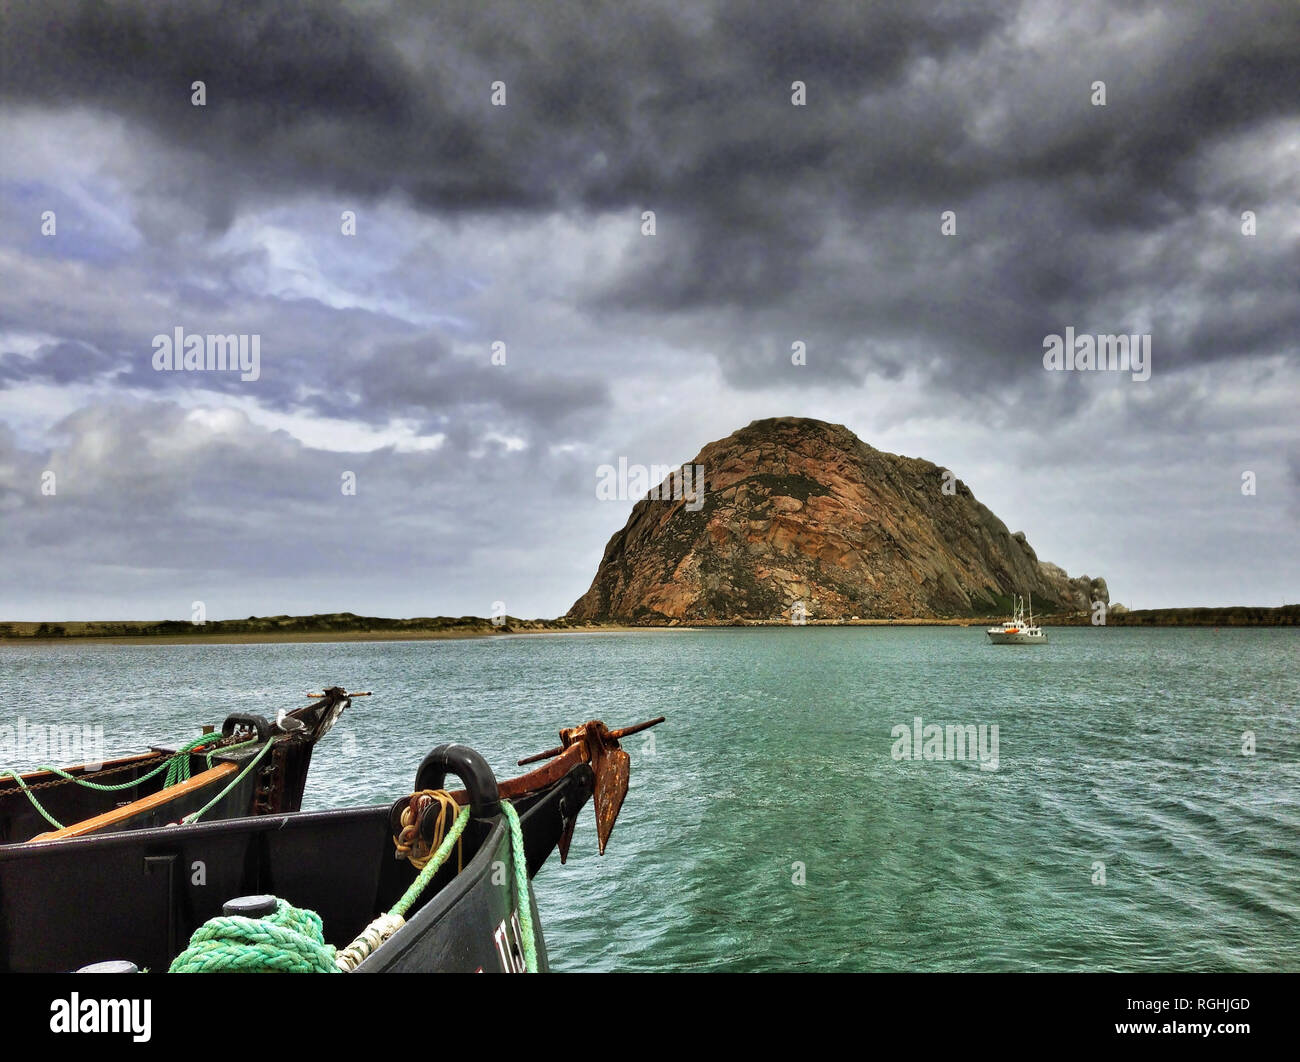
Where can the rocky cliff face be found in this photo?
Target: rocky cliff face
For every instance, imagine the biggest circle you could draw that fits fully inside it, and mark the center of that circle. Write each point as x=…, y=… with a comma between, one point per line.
x=802, y=514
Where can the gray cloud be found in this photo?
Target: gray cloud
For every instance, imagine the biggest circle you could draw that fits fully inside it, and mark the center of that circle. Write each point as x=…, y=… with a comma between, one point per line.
x=182, y=505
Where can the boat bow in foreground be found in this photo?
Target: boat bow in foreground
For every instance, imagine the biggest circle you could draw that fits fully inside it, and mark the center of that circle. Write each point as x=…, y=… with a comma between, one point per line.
x=139, y=896
x=251, y=766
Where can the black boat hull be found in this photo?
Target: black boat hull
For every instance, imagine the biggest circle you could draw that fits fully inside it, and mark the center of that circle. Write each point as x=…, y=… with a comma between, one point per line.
x=138, y=895
x=139, y=797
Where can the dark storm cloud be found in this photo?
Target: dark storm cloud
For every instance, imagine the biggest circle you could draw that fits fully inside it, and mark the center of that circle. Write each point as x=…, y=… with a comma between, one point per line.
x=912, y=109
x=685, y=104
x=303, y=93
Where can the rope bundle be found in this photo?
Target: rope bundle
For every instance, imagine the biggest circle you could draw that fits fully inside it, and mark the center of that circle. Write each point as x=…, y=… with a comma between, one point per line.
x=408, y=843
x=289, y=940
x=367, y=941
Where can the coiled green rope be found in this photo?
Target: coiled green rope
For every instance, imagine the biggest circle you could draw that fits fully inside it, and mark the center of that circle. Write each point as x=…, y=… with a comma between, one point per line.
x=291, y=939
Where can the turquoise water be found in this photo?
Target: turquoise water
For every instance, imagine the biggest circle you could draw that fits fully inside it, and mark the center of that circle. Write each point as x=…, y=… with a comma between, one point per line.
x=1119, y=747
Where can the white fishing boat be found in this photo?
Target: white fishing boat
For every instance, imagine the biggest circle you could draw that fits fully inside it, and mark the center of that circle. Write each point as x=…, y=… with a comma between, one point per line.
x=1017, y=630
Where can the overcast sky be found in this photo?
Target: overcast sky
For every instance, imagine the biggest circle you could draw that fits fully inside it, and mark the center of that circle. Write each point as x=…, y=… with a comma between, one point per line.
x=774, y=224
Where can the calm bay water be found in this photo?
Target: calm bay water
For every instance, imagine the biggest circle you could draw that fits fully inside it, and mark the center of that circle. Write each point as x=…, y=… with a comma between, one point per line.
x=1121, y=747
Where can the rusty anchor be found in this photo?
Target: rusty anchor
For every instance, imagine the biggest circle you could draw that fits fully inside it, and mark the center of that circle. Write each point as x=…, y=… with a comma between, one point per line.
x=595, y=744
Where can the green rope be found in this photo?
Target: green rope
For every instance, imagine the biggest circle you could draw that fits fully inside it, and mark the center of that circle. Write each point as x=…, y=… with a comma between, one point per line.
x=522, y=898
x=289, y=940
x=177, y=766
x=32, y=797
x=194, y=816
x=432, y=867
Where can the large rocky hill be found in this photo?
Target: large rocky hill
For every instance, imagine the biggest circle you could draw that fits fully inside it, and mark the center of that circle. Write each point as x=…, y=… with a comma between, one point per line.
x=799, y=513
